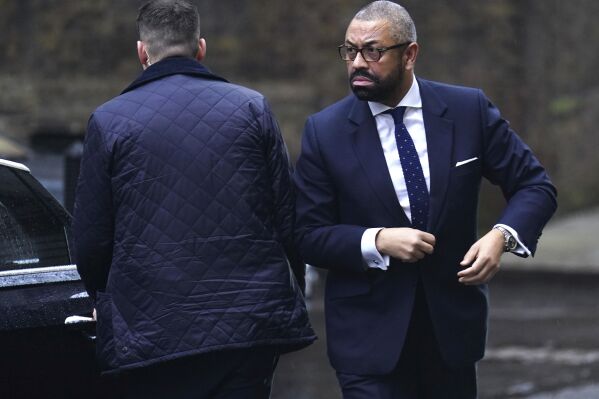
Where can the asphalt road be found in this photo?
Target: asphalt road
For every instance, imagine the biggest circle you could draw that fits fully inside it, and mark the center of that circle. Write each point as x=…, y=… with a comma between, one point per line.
x=543, y=342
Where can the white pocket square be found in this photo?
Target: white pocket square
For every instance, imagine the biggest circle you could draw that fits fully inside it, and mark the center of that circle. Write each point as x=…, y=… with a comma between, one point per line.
x=460, y=163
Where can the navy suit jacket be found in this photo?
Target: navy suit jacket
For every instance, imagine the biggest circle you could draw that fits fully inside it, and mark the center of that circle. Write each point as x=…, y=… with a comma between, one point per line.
x=344, y=187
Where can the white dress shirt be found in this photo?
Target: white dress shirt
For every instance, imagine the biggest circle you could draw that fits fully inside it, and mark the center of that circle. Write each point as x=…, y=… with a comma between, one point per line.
x=386, y=128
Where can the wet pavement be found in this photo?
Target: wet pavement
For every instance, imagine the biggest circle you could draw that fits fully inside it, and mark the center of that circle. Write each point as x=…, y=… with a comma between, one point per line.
x=543, y=342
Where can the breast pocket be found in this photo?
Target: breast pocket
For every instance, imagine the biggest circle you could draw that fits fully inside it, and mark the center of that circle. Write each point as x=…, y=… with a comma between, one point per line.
x=466, y=168
x=464, y=186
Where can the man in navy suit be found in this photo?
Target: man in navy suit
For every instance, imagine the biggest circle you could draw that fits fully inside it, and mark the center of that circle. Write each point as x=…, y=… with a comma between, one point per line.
x=388, y=184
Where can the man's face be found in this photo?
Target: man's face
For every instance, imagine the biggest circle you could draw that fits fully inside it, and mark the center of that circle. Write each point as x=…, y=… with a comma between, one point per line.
x=379, y=81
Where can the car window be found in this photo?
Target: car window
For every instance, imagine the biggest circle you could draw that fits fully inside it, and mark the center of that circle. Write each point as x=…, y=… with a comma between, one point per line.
x=33, y=226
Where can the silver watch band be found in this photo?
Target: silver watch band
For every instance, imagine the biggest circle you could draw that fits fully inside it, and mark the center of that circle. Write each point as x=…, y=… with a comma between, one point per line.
x=509, y=242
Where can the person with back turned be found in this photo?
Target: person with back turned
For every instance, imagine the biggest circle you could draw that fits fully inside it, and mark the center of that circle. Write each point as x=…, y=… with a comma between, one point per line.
x=183, y=225
x=388, y=184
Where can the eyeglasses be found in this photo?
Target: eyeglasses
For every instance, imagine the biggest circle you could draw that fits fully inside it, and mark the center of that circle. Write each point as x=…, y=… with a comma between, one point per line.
x=369, y=53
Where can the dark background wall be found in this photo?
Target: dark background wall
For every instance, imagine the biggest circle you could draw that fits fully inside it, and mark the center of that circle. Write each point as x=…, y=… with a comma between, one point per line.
x=537, y=60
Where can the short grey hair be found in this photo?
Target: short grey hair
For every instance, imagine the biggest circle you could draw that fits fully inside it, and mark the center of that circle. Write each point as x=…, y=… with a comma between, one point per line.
x=401, y=24
x=169, y=27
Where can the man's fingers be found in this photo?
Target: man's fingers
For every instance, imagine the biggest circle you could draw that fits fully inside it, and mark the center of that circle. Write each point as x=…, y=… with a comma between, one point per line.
x=421, y=248
x=488, y=271
x=480, y=272
x=428, y=248
x=483, y=277
x=470, y=256
x=425, y=247
x=471, y=271
x=481, y=260
x=407, y=244
x=428, y=238
x=414, y=255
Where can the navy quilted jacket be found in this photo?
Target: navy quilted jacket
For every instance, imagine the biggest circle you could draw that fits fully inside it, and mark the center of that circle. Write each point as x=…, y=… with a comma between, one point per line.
x=183, y=221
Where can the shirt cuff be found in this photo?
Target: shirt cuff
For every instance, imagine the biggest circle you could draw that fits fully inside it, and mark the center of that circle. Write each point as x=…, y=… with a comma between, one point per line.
x=521, y=248
x=372, y=257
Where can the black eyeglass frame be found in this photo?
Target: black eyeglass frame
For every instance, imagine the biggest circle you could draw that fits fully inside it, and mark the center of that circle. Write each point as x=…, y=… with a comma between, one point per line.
x=380, y=50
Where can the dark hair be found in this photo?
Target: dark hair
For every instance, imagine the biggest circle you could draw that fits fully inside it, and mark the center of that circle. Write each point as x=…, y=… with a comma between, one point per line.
x=401, y=24
x=169, y=27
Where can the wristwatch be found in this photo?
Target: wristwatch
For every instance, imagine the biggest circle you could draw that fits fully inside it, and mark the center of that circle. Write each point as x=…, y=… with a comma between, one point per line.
x=509, y=242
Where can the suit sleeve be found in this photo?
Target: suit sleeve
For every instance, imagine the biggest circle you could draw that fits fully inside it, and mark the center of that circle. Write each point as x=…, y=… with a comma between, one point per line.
x=322, y=240
x=93, y=224
x=280, y=169
x=510, y=163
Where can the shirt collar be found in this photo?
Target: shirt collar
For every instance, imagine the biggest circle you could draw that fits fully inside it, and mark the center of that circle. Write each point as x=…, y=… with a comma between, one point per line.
x=411, y=99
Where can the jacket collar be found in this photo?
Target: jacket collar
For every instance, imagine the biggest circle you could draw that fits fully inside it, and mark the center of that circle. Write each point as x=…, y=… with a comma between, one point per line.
x=439, y=138
x=172, y=66
x=430, y=99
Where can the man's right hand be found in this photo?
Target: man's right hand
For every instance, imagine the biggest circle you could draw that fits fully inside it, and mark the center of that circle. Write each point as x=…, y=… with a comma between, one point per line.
x=404, y=243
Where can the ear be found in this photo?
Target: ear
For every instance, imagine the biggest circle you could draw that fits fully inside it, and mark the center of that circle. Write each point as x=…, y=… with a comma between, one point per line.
x=201, y=49
x=411, y=54
x=142, y=54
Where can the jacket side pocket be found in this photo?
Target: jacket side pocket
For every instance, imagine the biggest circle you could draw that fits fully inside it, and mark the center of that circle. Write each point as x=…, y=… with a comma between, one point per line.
x=105, y=347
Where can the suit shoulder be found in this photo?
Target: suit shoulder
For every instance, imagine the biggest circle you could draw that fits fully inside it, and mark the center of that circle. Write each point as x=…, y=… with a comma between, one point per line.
x=451, y=91
x=340, y=108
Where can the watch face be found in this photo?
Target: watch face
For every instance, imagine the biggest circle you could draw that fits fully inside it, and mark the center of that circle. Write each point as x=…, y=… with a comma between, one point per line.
x=511, y=243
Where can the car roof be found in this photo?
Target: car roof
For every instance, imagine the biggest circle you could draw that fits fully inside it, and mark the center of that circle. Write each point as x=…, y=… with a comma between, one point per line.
x=14, y=165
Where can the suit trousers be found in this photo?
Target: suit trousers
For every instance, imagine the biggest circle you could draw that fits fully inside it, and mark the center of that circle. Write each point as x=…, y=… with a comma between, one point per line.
x=421, y=373
x=231, y=374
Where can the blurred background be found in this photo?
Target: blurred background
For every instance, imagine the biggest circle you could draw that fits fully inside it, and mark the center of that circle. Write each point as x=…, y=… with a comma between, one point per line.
x=536, y=59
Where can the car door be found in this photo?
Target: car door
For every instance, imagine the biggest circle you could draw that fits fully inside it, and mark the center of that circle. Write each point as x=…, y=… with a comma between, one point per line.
x=40, y=289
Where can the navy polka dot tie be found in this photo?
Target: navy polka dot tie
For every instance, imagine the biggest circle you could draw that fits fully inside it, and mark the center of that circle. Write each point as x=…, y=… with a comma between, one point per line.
x=412, y=171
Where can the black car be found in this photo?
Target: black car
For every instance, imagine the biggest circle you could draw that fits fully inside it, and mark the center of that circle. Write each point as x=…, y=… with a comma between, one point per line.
x=46, y=332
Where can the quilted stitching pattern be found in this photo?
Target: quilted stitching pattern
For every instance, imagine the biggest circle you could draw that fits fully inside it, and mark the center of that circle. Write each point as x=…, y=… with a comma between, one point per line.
x=185, y=190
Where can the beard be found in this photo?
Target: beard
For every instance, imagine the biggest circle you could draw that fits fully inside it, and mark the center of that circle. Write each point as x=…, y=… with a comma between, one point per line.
x=381, y=90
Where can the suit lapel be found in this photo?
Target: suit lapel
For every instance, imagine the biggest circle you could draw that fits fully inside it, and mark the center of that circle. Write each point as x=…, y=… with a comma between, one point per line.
x=367, y=146
x=439, y=141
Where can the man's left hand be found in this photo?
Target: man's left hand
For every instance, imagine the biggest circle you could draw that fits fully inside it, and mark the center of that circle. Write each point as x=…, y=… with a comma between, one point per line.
x=483, y=259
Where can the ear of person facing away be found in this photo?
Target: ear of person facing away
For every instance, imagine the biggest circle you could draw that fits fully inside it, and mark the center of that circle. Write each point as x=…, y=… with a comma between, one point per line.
x=146, y=61
x=169, y=28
